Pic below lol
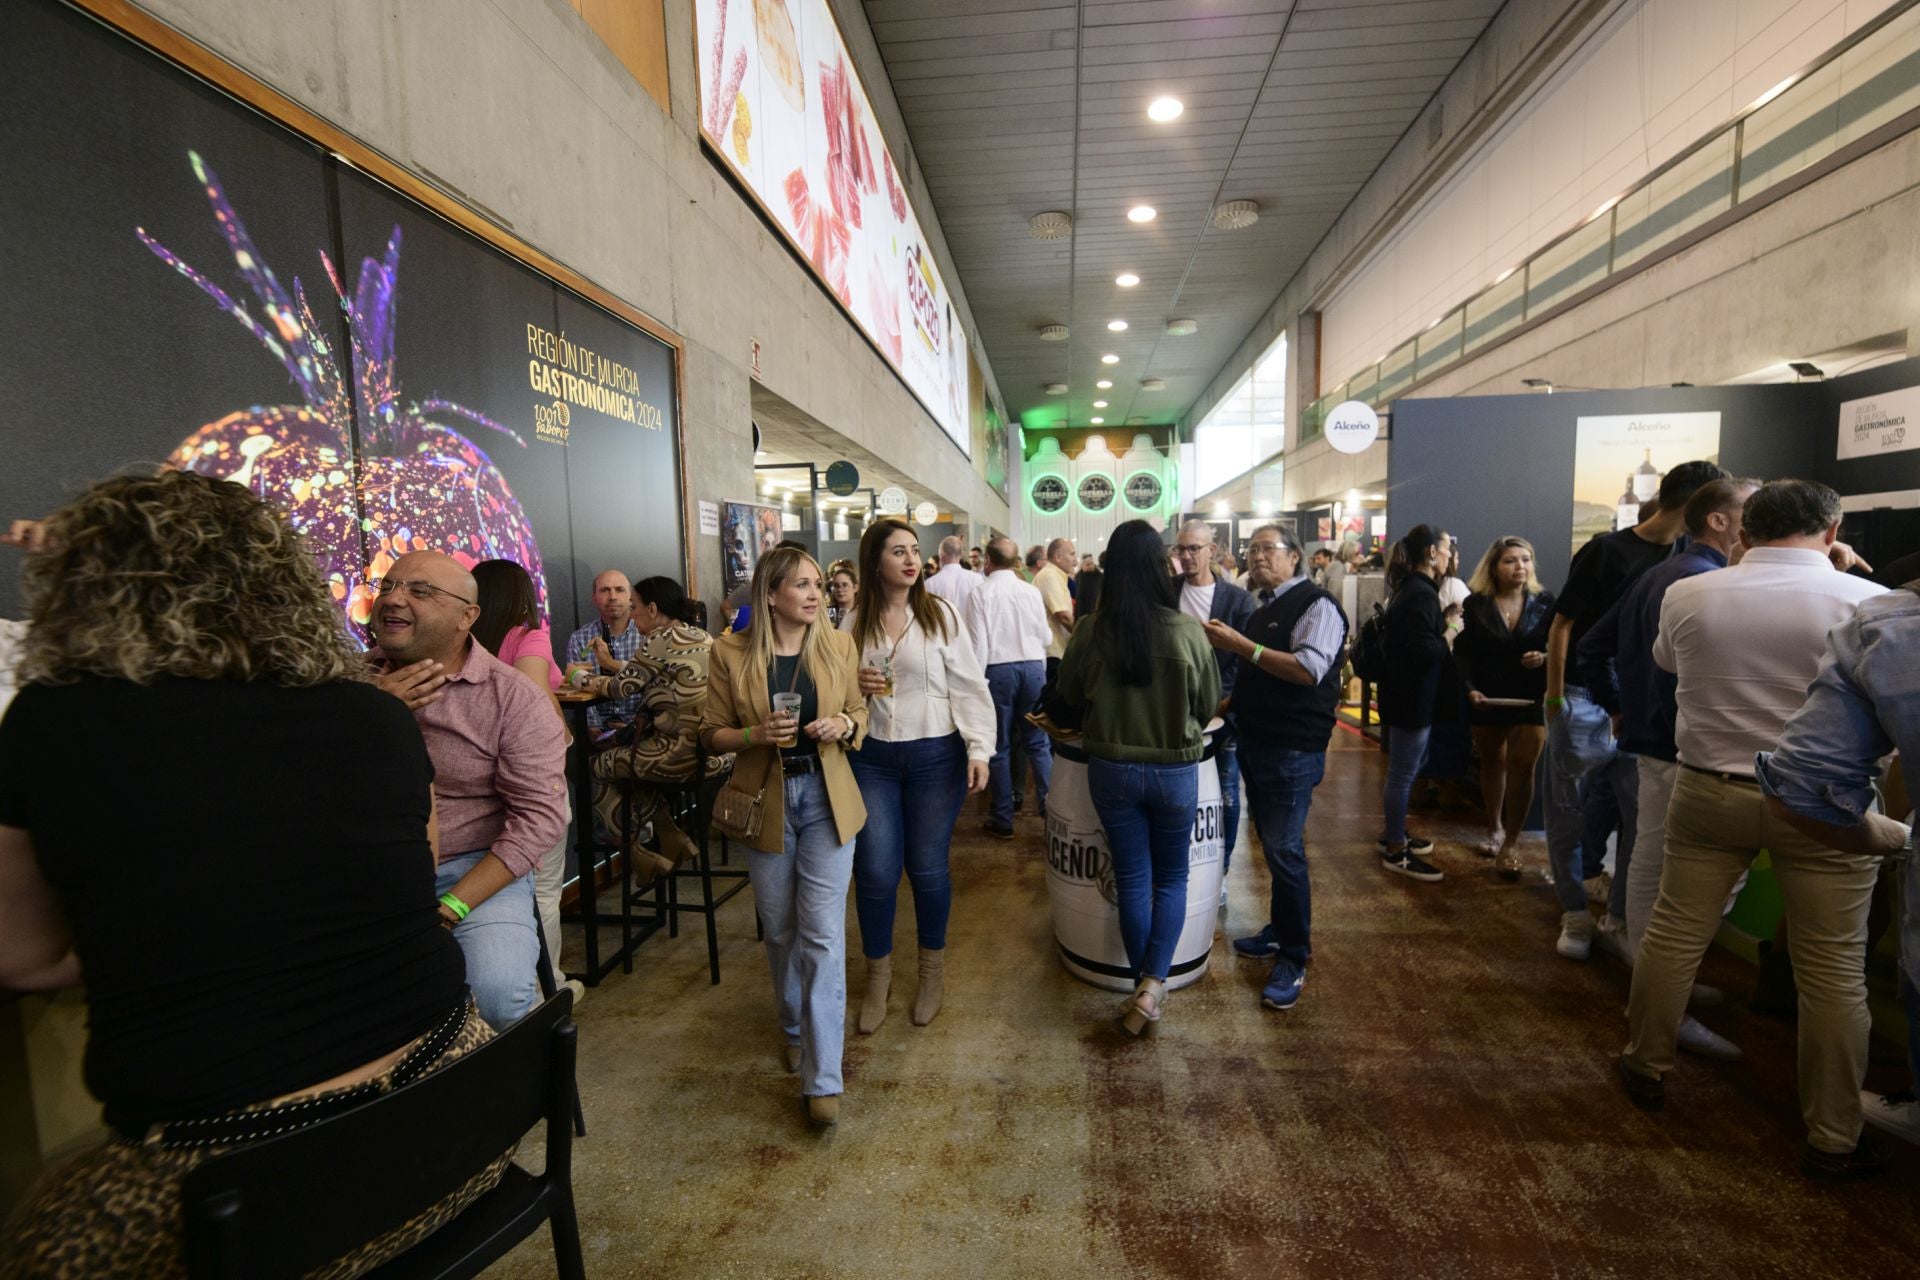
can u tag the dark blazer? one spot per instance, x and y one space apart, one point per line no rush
1417 658
1233 606
1487 655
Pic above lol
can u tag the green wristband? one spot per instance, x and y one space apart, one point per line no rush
1556 702
749 732
1257 651
460 909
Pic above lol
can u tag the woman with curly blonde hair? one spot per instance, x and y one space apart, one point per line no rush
260 943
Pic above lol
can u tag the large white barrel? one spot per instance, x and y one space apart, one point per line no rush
1086 920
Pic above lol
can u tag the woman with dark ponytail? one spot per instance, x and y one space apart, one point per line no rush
669 676
1140 677
1417 657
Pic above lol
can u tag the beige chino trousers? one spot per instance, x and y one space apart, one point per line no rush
1715 829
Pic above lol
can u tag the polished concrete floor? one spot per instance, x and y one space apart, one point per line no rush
1440 1103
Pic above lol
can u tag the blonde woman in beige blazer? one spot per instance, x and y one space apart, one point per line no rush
801 862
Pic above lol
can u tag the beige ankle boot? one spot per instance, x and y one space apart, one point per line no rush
933 987
674 844
873 1005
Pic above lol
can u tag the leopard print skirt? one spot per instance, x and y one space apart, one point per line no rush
114 1213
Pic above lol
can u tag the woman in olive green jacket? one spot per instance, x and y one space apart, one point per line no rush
1140 677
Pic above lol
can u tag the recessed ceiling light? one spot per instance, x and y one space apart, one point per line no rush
1109 358
1099 404
1126 279
1141 213
1096 421
1117 326
1165 109
1103 384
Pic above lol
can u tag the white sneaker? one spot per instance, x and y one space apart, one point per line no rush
578 988
1694 1037
1611 934
1894 1113
1599 889
1576 935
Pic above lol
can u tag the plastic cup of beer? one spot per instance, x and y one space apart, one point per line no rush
880 660
577 673
788 704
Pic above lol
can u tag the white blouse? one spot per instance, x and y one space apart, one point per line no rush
939 686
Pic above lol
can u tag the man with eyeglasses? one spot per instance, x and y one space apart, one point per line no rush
1206 597
1285 699
620 638
499 772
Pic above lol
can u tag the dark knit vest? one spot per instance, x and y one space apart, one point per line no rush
1279 713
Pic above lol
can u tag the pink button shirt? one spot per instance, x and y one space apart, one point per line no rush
499 763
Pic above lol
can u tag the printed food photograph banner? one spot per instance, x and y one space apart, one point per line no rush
191 285
1618 461
781 104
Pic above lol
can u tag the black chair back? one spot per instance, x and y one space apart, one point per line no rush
291 1204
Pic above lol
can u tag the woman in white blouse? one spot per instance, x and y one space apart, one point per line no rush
931 731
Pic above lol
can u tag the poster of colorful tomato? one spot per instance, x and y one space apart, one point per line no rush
784 109
209 291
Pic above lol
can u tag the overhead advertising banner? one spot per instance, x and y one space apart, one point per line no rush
1618 461
1880 424
781 105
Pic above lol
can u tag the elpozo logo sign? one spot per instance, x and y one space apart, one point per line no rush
1351 426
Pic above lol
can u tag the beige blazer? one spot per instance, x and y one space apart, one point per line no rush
737 699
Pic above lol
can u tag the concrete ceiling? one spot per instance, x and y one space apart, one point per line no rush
1016 107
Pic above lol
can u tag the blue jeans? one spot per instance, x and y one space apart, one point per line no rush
801 895
913 792
1016 691
1406 748
1581 754
1226 759
499 942
1147 811
1280 785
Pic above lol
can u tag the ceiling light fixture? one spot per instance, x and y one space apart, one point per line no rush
1109 358
1126 279
1182 328
1165 109
1117 326
1099 404
1104 383
1053 333
1142 213
1051 225
1096 421
1236 215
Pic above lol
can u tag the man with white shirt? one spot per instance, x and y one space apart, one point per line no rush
954 582
1206 596
1746 642
1008 623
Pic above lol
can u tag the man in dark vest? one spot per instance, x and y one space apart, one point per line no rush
1284 701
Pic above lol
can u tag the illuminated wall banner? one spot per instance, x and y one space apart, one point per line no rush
781 104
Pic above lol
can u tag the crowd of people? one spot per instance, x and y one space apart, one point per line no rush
1706 684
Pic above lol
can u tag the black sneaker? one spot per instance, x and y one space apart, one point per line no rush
1868 1158
1649 1093
1415 843
1408 864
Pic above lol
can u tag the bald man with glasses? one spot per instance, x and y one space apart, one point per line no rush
499 772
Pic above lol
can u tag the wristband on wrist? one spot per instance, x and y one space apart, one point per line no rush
1257 651
1556 702
749 732
460 909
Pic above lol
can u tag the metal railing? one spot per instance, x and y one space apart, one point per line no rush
1864 83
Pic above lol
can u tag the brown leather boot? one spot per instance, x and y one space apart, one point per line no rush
873 1005
673 843
933 987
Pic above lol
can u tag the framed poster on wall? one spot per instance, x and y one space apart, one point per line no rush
747 531
394 373
1618 460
